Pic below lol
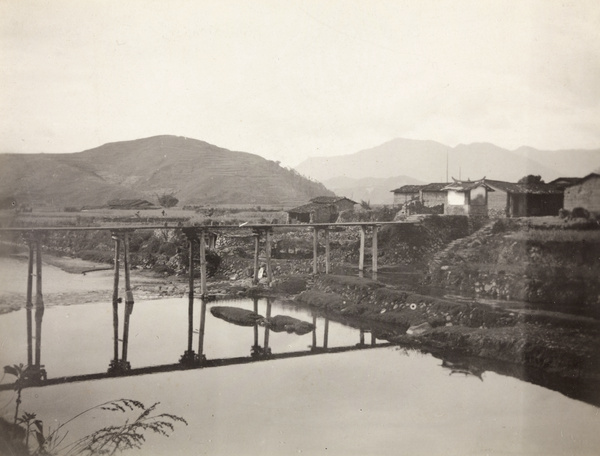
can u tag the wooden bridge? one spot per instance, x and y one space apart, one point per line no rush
197 237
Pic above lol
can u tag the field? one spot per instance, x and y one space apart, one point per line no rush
231 214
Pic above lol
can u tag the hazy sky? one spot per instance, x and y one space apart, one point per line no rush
291 79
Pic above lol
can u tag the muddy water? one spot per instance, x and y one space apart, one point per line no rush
377 401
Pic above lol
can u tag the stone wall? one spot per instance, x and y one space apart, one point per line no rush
585 194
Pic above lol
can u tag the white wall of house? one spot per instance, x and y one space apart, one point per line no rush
456 198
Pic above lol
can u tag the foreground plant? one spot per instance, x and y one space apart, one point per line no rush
108 440
113 439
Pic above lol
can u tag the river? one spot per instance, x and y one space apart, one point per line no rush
374 401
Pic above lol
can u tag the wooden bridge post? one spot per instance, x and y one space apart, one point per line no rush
256 252
128 301
202 241
189 357
361 252
29 304
327 250
267 350
326 331
115 298
374 260
268 234
39 304
201 356
315 250
255 346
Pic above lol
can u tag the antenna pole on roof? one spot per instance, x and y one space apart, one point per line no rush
446 166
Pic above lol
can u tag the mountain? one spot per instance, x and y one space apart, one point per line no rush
426 161
371 189
195 171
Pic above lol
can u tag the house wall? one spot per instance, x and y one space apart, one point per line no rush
401 198
298 217
456 198
585 194
478 197
431 199
497 203
544 204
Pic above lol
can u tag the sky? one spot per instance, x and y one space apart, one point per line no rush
297 78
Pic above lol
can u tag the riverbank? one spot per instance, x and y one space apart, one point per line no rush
560 344
564 345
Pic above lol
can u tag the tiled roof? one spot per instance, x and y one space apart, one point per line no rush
408 189
533 189
330 199
463 186
584 179
307 208
435 187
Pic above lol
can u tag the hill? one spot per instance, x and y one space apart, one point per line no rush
195 171
426 161
371 189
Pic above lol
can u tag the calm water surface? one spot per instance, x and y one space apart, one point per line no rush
366 402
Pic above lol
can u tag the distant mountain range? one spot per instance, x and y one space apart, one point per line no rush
370 189
426 161
194 171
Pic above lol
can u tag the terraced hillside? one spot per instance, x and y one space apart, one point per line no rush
195 171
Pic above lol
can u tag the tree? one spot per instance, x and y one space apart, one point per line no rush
167 200
531 179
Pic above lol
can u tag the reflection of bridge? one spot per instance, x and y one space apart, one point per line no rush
197 237
35 375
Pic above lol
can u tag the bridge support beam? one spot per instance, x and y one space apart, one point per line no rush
29 304
268 235
361 252
327 250
119 366
374 250
256 252
202 242
128 300
189 356
315 250
35 370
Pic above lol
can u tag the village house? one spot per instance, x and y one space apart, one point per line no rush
322 209
341 203
523 199
467 198
428 195
432 195
584 193
564 182
406 193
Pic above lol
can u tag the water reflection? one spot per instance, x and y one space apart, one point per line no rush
289 330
